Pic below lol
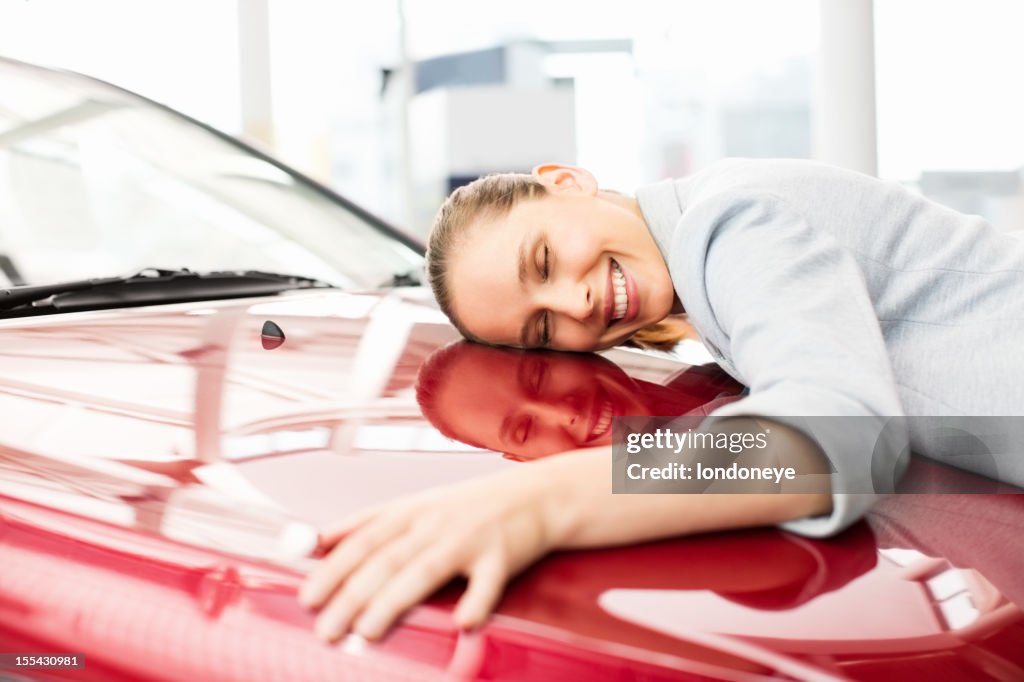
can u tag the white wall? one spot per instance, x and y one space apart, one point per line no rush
183 53
949 85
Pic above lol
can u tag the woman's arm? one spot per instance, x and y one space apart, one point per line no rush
590 516
488 529
788 305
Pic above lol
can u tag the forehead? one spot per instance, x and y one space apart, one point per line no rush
477 377
483 276
477 396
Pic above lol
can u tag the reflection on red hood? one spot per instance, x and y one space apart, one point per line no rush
532 404
203 460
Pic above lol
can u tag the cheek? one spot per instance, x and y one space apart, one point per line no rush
662 280
659 292
580 253
574 337
549 440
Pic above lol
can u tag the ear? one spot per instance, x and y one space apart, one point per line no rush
558 177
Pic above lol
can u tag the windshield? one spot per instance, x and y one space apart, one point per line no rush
95 182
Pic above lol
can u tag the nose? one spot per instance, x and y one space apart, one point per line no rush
559 413
563 414
572 299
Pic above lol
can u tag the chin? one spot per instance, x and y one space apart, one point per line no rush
611 343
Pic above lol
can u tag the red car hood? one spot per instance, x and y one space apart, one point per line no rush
166 451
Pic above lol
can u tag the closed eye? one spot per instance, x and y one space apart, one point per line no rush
522 430
545 322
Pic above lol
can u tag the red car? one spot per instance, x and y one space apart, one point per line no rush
172 439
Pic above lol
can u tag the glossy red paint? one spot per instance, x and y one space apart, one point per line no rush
162 474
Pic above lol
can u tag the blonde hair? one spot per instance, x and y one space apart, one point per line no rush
494 196
662 335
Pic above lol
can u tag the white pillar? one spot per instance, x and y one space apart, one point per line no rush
254 70
407 80
843 110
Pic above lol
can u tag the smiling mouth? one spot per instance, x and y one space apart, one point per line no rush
603 421
620 299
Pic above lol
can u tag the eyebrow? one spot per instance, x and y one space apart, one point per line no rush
522 260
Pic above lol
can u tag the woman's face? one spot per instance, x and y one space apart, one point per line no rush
573 270
534 404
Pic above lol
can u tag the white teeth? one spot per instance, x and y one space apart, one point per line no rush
603 421
619 289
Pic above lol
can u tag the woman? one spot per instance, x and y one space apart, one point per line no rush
530 405
826 292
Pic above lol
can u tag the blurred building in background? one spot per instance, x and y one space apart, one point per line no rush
394 103
485 111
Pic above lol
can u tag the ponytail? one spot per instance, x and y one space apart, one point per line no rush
663 335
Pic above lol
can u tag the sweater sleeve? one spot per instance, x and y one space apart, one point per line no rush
785 305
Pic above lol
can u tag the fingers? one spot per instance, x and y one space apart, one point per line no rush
389 558
330 535
403 574
360 587
336 567
486 581
415 582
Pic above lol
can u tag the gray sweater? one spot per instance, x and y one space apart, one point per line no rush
829 292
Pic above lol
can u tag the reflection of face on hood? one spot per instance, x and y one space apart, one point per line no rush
534 403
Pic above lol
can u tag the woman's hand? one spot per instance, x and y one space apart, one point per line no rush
393 556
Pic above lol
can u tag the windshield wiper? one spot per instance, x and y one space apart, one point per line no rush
147 287
11 270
